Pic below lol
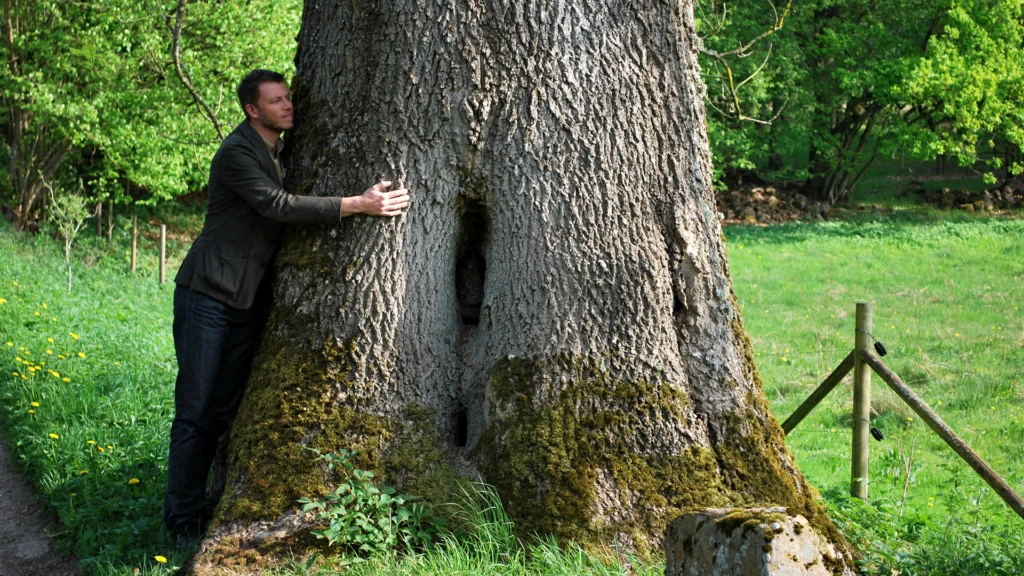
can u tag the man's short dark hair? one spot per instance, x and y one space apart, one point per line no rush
249 87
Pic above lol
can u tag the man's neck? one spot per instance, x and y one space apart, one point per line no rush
268 134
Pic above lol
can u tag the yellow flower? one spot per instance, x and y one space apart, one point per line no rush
54 436
3 301
44 305
31 411
90 442
9 343
37 312
50 340
133 481
116 363
73 335
49 352
66 379
15 374
83 472
35 404
160 559
100 448
81 354
18 359
60 357
109 447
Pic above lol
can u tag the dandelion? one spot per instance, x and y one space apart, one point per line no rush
60 357
73 335
3 301
109 447
55 374
50 340
44 305
66 379
35 404
54 436
37 312
31 411
49 352
83 472
90 442
133 481
100 448
784 359
15 374
81 354
9 343
116 363
160 559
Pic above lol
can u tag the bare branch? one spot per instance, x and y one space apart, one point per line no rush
179 22
742 51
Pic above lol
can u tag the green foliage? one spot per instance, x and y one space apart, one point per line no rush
366 518
97 81
486 545
850 80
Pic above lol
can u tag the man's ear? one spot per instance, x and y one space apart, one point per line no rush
251 112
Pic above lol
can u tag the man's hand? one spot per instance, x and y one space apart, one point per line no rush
377 201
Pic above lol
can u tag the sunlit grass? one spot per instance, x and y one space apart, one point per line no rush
947 304
948 297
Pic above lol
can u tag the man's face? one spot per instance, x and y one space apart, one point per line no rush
273 110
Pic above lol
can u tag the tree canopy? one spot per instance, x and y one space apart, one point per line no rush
93 90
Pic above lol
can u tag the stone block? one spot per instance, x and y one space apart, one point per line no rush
749 542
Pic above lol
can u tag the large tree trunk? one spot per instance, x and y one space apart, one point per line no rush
553 315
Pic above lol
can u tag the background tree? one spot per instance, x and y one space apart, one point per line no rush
863 79
553 315
94 90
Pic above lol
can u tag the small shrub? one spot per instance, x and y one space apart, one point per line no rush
367 518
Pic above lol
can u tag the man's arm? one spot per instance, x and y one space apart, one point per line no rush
243 173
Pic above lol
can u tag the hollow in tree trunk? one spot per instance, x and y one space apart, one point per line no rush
553 315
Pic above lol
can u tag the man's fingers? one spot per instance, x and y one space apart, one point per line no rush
382 186
397 193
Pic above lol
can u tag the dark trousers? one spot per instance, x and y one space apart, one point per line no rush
214 344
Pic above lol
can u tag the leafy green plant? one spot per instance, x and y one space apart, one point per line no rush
367 518
68 213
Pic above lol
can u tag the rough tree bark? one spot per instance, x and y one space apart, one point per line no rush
553 315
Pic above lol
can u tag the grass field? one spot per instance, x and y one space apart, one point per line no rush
86 398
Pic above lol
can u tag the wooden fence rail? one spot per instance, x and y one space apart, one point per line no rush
862 361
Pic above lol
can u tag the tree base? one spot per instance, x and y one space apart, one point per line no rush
765 541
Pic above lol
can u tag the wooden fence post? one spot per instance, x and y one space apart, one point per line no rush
110 222
135 240
99 217
163 251
861 404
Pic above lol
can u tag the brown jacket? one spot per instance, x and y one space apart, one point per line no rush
245 212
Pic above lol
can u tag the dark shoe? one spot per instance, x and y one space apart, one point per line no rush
187 535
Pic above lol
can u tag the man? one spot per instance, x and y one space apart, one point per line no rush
221 298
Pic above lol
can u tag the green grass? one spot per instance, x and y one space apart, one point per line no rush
947 301
948 291
86 394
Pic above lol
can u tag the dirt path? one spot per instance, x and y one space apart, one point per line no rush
25 549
